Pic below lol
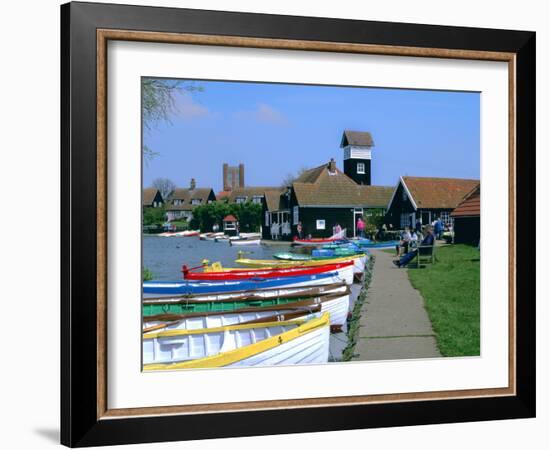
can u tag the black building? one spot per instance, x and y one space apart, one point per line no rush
426 199
325 196
357 147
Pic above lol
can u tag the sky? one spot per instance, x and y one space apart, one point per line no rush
277 129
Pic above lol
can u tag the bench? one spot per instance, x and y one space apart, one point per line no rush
427 256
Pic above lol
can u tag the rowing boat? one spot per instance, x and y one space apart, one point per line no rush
296 291
344 270
335 303
196 321
244 242
315 241
205 287
359 262
273 343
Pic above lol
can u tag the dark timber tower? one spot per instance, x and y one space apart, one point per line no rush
357 147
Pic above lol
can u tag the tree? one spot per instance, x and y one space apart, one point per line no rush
154 216
158 98
165 186
291 178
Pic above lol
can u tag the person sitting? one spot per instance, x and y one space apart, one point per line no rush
428 240
404 242
413 243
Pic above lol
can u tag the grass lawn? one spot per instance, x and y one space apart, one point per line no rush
450 289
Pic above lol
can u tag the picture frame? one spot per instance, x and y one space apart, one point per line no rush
86 418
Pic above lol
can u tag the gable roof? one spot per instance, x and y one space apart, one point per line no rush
250 192
185 196
436 193
273 200
470 206
149 195
359 138
320 187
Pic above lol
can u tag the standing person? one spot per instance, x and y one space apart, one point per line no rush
437 228
300 230
429 240
360 227
337 229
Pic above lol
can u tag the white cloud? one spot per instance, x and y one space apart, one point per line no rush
263 113
188 108
266 113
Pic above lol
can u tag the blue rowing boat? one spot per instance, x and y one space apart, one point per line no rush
184 287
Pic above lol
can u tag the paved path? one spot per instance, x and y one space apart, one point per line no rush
394 323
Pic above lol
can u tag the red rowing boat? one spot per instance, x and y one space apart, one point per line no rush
240 274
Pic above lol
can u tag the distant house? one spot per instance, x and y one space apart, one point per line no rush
426 199
466 218
183 201
152 198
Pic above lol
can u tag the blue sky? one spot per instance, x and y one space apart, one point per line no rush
276 129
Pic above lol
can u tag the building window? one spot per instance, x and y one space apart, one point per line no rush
257 199
361 168
240 199
267 218
405 220
320 224
446 217
196 201
295 215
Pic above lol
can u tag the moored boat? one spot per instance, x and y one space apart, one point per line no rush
273 343
159 312
205 287
344 270
240 242
195 321
358 260
314 242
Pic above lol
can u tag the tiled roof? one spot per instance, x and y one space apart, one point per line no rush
376 196
273 200
319 187
470 206
149 195
433 193
185 196
250 192
360 138
230 218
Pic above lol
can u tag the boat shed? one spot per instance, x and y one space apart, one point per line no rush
322 197
230 225
426 199
466 218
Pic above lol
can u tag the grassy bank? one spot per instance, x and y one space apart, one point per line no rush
450 289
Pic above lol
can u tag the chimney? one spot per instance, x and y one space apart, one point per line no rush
193 184
332 165
241 175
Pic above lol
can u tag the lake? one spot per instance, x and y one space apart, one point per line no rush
164 256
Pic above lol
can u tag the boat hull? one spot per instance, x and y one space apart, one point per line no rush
205 287
277 343
211 314
358 261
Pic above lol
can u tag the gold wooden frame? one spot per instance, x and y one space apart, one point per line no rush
103 36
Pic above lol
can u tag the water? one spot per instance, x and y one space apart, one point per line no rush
164 256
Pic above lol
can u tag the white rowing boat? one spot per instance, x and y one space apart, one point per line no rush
274 343
244 241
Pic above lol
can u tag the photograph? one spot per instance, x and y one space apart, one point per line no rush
287 224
